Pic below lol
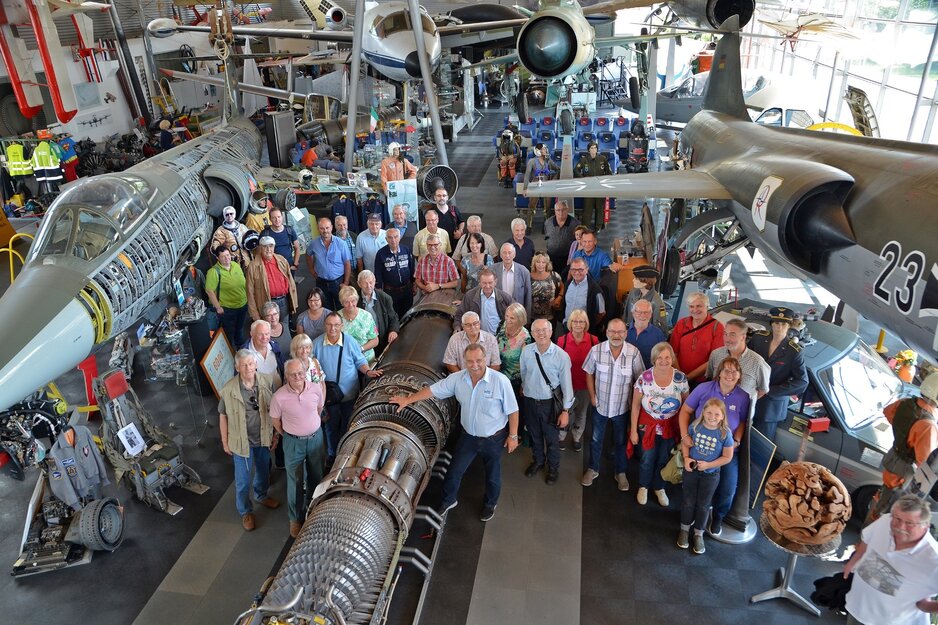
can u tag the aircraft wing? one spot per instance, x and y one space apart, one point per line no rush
665 184
67 7
618 40
505 59
286 33
611 6
454 29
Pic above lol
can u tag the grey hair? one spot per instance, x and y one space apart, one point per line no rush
267 307
433 238
911 503
662 347
241 355
300 340
517 221
258 324
469 316
474 219
365 273
696 295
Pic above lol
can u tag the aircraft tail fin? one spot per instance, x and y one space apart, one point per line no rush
725 88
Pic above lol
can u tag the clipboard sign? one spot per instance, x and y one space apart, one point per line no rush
131 439
218 362
761 452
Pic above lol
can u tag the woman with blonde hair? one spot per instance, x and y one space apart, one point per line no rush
546 288
577 343
512 336
301 348
357 322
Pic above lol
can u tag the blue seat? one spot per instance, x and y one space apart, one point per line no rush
606 139
600 124
520 200
546 136
583 139
529 128
612 157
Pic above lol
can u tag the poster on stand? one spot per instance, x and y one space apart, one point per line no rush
403 192
218 362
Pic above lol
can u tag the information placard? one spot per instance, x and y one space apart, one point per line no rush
761 452
218 361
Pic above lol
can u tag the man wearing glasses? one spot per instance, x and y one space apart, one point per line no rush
583 292
247 434
894 565
295 411
436 271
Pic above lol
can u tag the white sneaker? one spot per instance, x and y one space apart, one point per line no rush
662 497
622 481
588 477
642 496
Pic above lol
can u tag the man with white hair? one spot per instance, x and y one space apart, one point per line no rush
394 272
406 229
381 307
524 247
266 352
894 567
369 242
269 279
343 233
513 278
474 226
471 333
436 270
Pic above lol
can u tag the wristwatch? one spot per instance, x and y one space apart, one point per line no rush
513 437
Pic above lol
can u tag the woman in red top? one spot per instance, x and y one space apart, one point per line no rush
577 343
694 337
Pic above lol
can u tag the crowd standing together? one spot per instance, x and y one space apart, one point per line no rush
542 353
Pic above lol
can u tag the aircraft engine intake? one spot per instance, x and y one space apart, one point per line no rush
336 19
804 201
340 567
556 42
713 12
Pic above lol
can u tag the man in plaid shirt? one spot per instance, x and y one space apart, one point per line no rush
435 270
611 367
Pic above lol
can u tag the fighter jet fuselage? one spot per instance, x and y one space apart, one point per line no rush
112 245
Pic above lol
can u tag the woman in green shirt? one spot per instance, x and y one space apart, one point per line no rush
227 292
358 322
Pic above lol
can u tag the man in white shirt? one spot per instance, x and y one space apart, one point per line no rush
895 568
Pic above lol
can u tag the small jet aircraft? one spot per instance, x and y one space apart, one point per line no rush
111 246
849 212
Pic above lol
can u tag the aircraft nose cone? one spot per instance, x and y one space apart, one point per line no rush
42 335
547 46
412 64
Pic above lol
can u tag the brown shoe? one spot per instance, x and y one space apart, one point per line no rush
247 522
295 527
270 502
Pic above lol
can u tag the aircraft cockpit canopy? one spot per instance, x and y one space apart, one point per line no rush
86 220
399 21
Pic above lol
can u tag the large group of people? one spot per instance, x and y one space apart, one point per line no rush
553 346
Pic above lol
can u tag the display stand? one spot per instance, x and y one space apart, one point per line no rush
785 575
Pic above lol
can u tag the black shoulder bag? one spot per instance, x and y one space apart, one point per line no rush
334 394
556 391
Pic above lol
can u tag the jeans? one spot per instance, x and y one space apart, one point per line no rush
619 425
652 461
726 489
577 414
467 448
336 426
232 322
698 493
302 454
330 291
542 426
260 458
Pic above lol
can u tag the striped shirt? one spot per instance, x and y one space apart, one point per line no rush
613 377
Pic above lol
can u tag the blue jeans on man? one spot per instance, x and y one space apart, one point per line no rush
304 458
340 416
490 449
726 489
619 425
260 459
652 461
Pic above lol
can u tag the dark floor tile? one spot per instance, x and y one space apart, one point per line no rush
714 587
446 604
672 612
608 579
664 582
606 609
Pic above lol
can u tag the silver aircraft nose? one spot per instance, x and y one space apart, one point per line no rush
45 331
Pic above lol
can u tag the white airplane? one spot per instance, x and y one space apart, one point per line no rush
388 44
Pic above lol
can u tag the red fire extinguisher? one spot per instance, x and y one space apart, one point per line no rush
606 214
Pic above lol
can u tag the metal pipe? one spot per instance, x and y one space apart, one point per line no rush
359 32
139 102
428 85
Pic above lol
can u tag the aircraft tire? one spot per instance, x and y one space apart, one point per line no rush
101 525
634 95
566 122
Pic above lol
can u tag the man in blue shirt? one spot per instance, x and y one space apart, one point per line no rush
489 417
369 242
595 258
330 263
642 333
341 360
394 272
544 367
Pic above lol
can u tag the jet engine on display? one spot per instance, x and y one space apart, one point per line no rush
342 567
111 246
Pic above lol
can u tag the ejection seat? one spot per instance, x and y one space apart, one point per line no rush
156 463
